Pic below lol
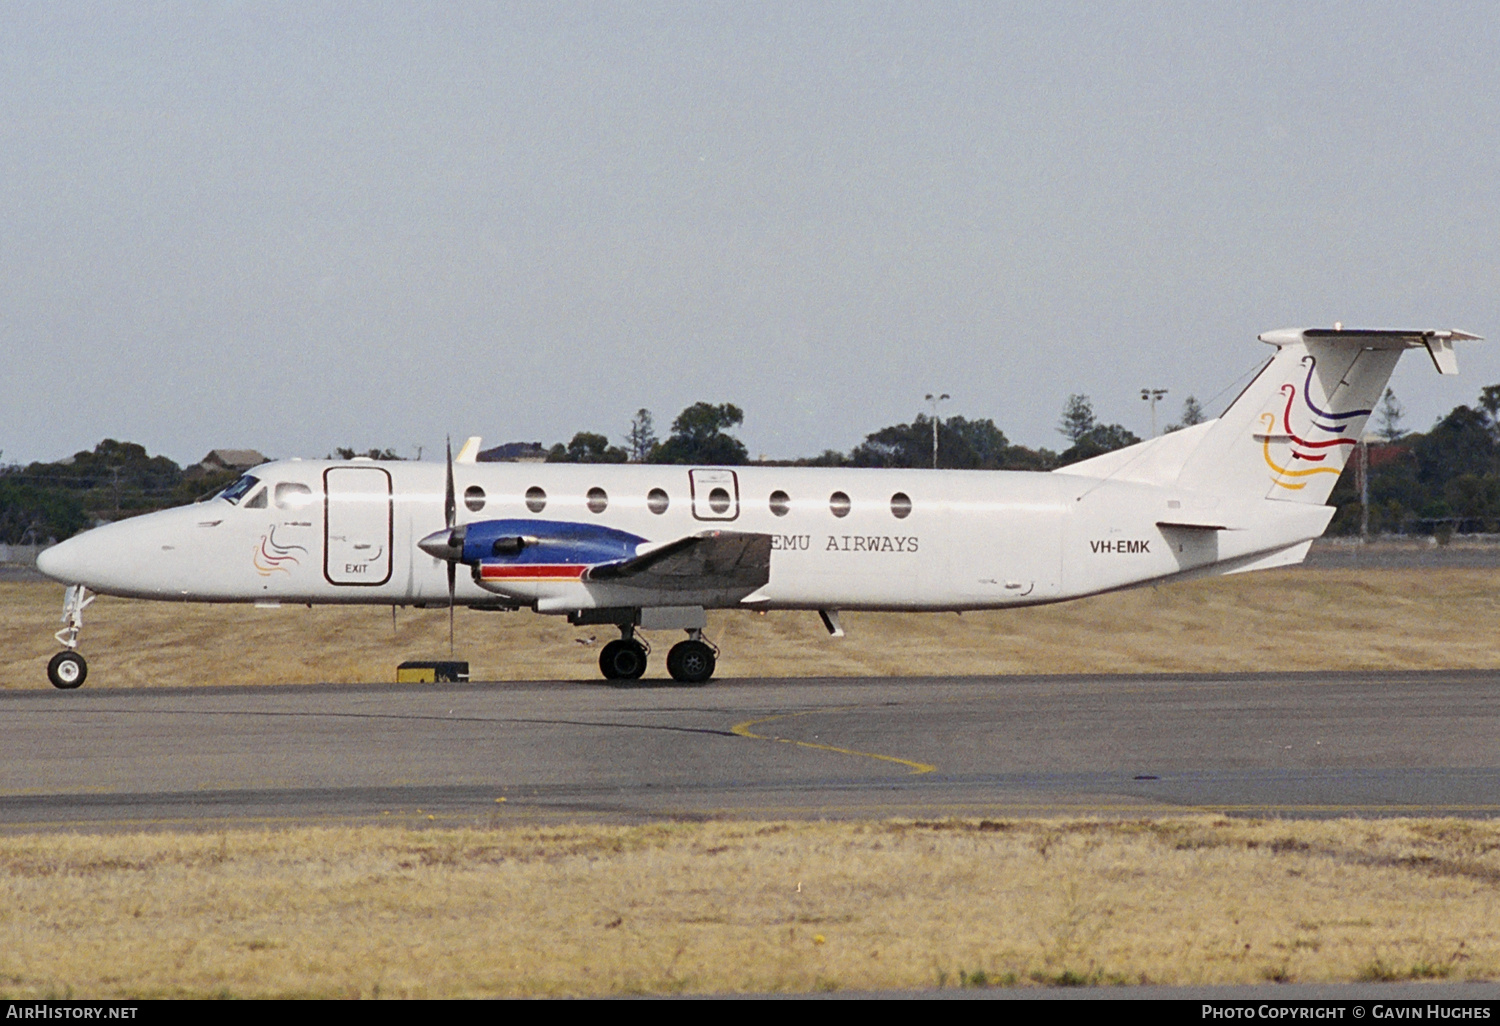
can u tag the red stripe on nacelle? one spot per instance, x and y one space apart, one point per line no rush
532 572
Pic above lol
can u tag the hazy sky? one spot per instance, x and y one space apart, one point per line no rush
298 226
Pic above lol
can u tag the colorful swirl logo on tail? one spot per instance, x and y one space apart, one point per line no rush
1300 444
1268 420
1286 422
1312 365
272 557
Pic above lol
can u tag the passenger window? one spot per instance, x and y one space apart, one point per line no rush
598 500
291 495
657 501
839 503
900 505
781 503
718 500
257 501
474 498
536 499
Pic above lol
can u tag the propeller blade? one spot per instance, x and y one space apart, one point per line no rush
450 514
450 504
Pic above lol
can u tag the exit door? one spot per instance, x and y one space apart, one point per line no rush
357 531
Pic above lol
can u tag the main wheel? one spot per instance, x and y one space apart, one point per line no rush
623 660
67 670
691 662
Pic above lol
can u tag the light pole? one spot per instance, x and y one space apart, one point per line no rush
934 400
1364 487
1150 395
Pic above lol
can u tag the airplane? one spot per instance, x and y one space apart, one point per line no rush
652 547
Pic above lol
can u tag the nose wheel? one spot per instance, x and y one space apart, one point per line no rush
67 670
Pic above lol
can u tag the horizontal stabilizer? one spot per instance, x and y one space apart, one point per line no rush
1194 525
1439 344
1289 556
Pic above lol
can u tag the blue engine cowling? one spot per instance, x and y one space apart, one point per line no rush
522 542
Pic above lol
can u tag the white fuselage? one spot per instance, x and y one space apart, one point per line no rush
347 532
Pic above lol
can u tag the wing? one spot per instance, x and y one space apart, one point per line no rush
711 561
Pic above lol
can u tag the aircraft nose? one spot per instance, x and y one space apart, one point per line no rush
64 561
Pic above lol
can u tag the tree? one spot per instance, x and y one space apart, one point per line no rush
1461 443
1474 499
1089 437
1489 401
124 464
641 438
699 436
962 444
114 477
826 458
1391 412
32 513
587 447
375 454
1192 413
900 445
1077 419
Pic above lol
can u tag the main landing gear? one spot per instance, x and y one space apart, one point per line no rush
692 661
624 659
689 662
68 669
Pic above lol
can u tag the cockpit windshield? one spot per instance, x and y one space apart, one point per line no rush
235 492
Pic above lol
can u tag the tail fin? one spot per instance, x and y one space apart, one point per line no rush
1291 431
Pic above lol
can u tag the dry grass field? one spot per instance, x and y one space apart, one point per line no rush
721 907
1286 619
757 907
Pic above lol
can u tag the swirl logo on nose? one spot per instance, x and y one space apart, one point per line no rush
273 557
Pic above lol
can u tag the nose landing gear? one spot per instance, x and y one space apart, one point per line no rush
68 669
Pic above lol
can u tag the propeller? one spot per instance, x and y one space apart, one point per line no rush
450 513
448 544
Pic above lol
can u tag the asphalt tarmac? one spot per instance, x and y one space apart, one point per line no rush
1320 744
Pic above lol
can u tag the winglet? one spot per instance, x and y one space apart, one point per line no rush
470 452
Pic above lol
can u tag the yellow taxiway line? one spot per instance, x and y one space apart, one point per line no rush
744 730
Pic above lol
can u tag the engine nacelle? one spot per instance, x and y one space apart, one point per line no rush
523 542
